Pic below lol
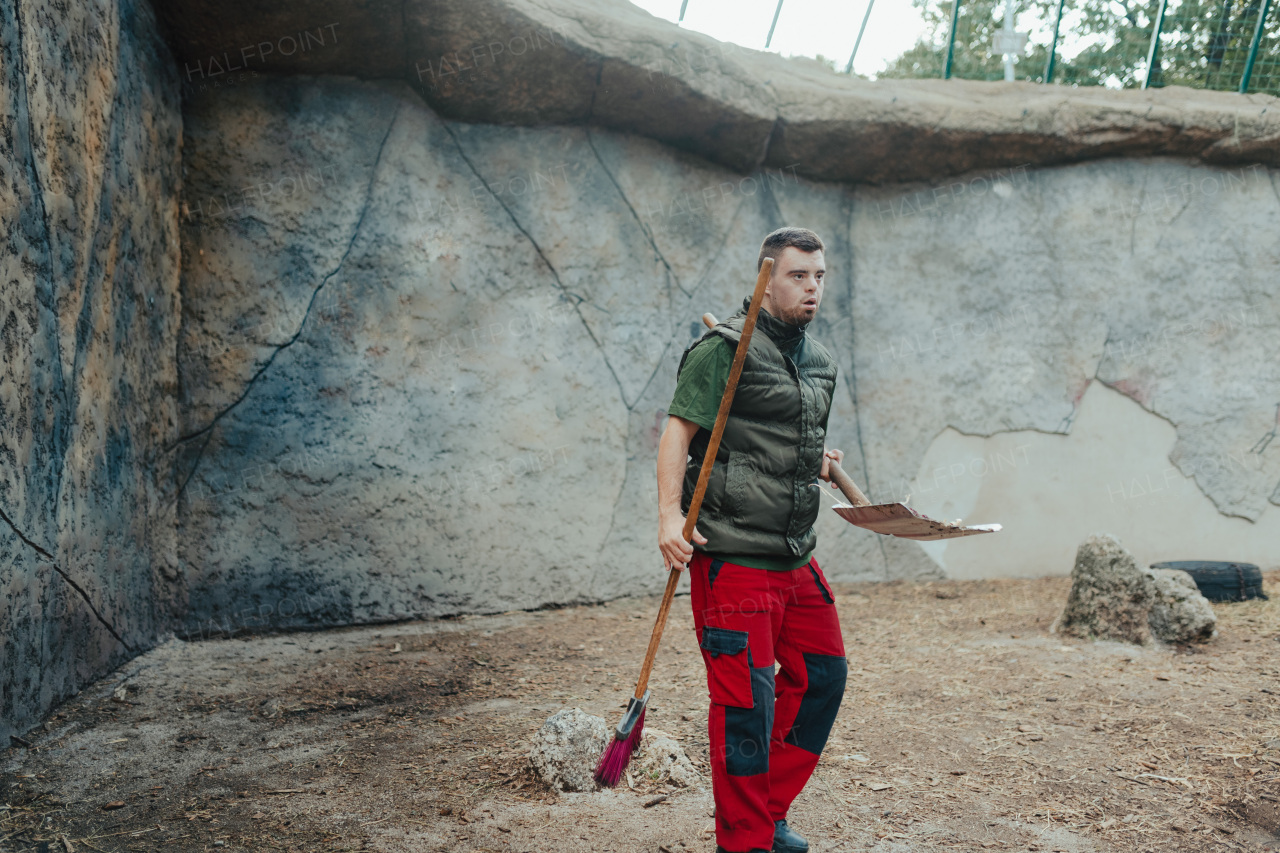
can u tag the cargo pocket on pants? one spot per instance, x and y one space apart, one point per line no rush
822 587
728 666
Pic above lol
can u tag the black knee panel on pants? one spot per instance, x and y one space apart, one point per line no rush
747 730
817 714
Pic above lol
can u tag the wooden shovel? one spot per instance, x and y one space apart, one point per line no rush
893 519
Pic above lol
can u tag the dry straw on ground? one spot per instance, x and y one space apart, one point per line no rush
966 726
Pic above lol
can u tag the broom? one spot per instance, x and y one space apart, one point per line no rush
626 737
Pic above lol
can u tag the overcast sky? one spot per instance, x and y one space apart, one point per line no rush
806 27
830 27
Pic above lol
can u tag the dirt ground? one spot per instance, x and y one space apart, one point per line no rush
967 725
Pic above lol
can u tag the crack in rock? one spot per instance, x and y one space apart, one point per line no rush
554 273
643 228
355 233
66 577
851 379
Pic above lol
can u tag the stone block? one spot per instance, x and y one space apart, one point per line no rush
566 749
1110 596
1179 613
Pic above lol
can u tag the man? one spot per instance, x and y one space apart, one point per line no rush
758 595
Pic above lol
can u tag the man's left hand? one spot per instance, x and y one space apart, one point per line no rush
828 456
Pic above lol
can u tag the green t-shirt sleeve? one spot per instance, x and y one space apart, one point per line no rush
701 383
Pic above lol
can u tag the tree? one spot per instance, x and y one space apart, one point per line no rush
1203 43
973 59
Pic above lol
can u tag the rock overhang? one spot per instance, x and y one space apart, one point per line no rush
609 64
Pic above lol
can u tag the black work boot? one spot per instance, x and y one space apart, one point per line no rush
787 840
720 849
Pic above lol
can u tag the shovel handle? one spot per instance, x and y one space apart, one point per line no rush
846 485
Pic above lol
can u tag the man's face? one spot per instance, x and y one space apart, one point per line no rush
795 289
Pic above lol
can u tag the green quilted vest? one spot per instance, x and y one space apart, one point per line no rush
759 501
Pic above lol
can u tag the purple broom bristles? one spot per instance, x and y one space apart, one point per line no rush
617 754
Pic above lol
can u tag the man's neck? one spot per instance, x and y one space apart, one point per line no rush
785 335
766 305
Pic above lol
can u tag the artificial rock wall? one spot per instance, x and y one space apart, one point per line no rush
425 363
90 134
382 319
441 260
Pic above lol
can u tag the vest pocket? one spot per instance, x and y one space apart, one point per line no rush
734 485
728 663
755 498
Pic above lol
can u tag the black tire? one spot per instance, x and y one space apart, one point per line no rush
1220 581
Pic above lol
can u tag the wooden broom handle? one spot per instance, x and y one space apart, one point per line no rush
842 480
708 460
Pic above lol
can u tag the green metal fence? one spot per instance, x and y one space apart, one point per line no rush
1229 45
1216 44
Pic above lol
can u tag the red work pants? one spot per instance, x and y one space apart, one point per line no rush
766 733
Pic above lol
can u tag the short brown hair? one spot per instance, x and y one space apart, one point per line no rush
802 238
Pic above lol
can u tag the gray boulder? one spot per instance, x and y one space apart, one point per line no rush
566 749
1110 595
662 759
1179 613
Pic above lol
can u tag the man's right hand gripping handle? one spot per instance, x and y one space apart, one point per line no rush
673 454
676 550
